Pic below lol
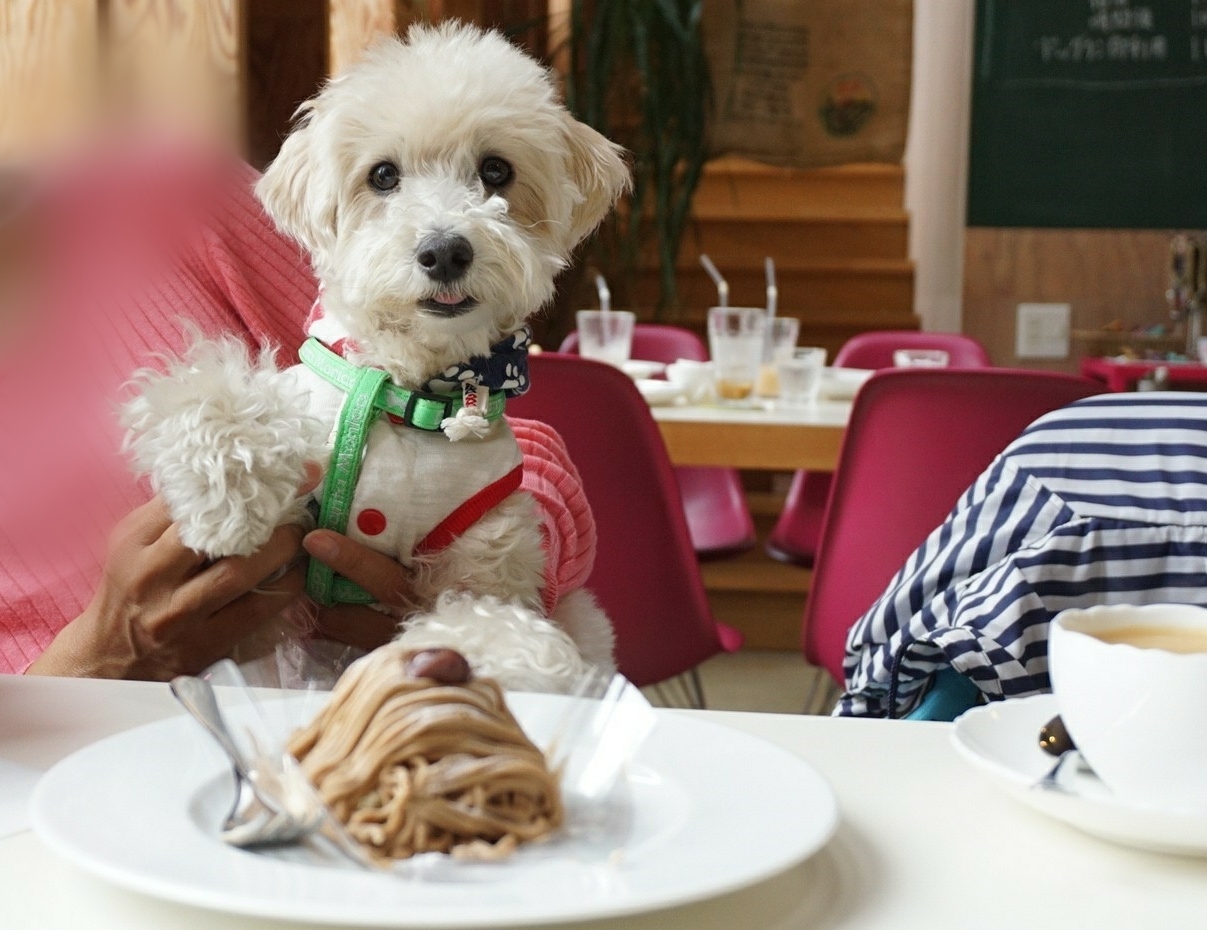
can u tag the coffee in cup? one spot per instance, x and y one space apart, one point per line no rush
1131 686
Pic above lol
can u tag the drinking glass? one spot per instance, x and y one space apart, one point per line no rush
735 341
779 341
800 376
606 336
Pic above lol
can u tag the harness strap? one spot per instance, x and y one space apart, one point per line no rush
470 512
419 409
370 393
356 416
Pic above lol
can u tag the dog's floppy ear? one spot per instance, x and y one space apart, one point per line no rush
299 196
599 170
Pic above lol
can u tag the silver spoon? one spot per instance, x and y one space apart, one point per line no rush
1055 740
265 811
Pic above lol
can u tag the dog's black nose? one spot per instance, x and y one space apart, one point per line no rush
444 257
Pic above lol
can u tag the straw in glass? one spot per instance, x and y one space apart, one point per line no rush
605 295
772 291
721 283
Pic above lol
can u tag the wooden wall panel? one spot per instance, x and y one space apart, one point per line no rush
287 51
1108 276
48 80
354 24
180 62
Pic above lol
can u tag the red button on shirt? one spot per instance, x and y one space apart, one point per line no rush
371 522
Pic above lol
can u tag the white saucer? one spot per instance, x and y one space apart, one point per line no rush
658 393
842 383
1002 739
637 368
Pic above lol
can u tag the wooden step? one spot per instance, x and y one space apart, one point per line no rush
768 620
858 292
732 242
733 187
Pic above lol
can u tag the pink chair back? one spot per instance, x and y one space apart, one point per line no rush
875 349
718 515
795 534
646 575
917 439
656 342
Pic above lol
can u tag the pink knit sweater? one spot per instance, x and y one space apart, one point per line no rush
134 249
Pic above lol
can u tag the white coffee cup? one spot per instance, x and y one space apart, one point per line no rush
693 377
1131 686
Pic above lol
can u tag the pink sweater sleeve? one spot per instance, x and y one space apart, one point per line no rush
145 243
551 478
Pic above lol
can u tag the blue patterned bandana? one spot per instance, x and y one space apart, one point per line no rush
504 369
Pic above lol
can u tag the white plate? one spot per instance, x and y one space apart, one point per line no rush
658 393
712 810
1002 739
842 383
637 368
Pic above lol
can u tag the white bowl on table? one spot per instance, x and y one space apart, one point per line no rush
842 383
640 369
658 393
692 377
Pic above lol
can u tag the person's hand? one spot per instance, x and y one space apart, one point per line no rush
162 610
377 573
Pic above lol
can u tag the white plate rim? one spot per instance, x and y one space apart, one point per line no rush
658 392
800 823
991 738
641 368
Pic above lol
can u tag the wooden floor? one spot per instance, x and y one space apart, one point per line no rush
766 680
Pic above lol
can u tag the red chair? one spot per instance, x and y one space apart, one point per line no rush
646 575
718 515
794 537
917 439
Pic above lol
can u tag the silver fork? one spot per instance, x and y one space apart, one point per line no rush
271 808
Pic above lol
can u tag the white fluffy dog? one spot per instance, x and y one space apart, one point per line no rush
438 186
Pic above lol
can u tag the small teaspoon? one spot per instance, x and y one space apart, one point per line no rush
1054 739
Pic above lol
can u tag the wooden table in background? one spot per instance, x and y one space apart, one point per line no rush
764 440
1123 376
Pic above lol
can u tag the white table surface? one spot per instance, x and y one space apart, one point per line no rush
819 413
925 842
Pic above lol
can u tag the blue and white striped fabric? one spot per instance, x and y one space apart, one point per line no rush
1101 502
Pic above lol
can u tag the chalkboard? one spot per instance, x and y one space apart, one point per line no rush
1089 113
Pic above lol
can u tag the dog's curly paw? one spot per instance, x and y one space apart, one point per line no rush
226 443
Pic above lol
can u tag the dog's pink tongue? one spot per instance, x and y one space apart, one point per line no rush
448 298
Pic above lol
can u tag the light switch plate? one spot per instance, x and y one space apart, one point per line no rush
1042 330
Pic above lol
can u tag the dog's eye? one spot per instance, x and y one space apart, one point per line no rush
495 172
384 176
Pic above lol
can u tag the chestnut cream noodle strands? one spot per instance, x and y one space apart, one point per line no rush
411 764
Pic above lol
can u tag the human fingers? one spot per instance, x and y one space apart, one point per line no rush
314 474
374 571
227 579
148 535
356 625
239 621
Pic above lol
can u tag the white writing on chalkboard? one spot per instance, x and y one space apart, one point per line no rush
1086 48
1198 14
1117 15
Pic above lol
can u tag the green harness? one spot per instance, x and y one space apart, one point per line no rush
370 393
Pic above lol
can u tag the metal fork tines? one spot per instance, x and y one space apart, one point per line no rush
273 803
